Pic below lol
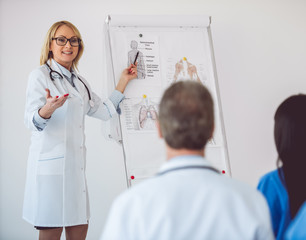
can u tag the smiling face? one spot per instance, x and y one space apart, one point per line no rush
64 55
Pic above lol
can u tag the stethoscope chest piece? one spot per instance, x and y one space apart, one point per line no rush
91 103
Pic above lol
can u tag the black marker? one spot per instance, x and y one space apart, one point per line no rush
130 70
136 57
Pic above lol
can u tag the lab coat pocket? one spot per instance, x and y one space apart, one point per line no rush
50 165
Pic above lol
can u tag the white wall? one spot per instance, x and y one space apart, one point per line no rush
260 49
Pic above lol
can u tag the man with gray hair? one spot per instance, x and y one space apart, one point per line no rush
188 199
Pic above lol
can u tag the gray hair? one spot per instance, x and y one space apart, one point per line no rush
186 115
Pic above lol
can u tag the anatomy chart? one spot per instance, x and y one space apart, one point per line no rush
140 114
144 52
182 69
165 54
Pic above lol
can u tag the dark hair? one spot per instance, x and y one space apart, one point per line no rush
186 115
290 140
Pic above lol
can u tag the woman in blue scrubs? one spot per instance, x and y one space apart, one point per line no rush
297 229
283 187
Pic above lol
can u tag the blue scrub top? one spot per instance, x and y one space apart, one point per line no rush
297 228
277 197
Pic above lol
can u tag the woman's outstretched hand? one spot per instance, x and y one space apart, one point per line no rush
52 103
126 76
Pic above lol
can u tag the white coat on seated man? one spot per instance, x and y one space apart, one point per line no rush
188 198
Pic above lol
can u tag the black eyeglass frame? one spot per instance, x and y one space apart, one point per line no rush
67 40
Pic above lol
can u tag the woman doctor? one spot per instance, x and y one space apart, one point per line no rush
57 100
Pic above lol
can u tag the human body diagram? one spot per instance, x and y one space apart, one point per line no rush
141 69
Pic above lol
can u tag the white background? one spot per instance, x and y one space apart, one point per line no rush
260 48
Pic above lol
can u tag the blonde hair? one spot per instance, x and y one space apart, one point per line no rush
46 54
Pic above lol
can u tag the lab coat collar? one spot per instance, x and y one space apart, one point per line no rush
62 70
71 90
53 65
184 161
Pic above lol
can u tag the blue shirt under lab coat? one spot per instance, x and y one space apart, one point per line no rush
277 197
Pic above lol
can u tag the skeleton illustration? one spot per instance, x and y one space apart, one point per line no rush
185 70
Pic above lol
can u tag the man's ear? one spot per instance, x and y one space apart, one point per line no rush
158 129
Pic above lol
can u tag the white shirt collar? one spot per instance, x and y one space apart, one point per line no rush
183 161
64 70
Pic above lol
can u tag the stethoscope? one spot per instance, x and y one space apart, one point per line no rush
54 73
188 167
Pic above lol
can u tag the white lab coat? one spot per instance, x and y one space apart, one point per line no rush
56 191
189 203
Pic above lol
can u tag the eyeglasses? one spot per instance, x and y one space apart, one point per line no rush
61 41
